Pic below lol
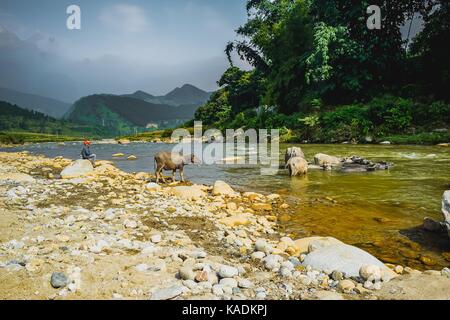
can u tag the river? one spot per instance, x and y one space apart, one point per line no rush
378 211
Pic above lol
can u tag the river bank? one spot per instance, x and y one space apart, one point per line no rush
112 235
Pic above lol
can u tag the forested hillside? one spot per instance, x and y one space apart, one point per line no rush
123 114
319 74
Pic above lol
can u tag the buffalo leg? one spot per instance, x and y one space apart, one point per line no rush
182 174
159 175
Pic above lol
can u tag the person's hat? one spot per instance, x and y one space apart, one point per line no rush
87 142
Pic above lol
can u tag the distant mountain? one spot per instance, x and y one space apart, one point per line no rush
121 114
186 95
141 95
41 104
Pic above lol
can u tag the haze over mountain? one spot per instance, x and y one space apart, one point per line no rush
41 104
154 46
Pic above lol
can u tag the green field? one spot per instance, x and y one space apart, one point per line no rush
13 138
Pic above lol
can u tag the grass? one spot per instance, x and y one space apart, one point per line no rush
427 138
150 136
23 137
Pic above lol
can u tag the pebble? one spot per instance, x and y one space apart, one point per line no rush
288 288
370 273
398 269
186 273
110 215
272 262
337 275
130 224
288 265
228 272
261 295
262 245
168 293
377 286
199 255
217 290
260 289
191 284
258 255
245 283
156 238
141 267
368 285
285 272
360 289
58 280
346 285
202 276
228 282
295 261
445 272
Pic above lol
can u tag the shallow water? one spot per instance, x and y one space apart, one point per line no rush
378 211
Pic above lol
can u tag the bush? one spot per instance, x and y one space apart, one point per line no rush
390 114
345 123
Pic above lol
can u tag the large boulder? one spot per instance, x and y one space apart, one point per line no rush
343 258
446 209
321 159
188 193
222 188
306 245
77 169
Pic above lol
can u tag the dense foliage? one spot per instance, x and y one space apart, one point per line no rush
320 74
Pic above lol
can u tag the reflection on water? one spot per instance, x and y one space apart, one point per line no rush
378 211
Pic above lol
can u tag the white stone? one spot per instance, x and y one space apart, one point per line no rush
228 282
258 255
370 273
245 283
227 272
156 238
130 224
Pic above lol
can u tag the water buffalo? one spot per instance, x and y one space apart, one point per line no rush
297 166
172 162
293 152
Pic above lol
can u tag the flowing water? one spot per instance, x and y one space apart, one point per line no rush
378 211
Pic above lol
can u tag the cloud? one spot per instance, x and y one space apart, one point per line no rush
124 17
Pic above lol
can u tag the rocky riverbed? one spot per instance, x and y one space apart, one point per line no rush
105 234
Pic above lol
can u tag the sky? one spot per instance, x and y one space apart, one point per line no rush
123 46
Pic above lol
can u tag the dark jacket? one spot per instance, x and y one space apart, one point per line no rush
86 152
